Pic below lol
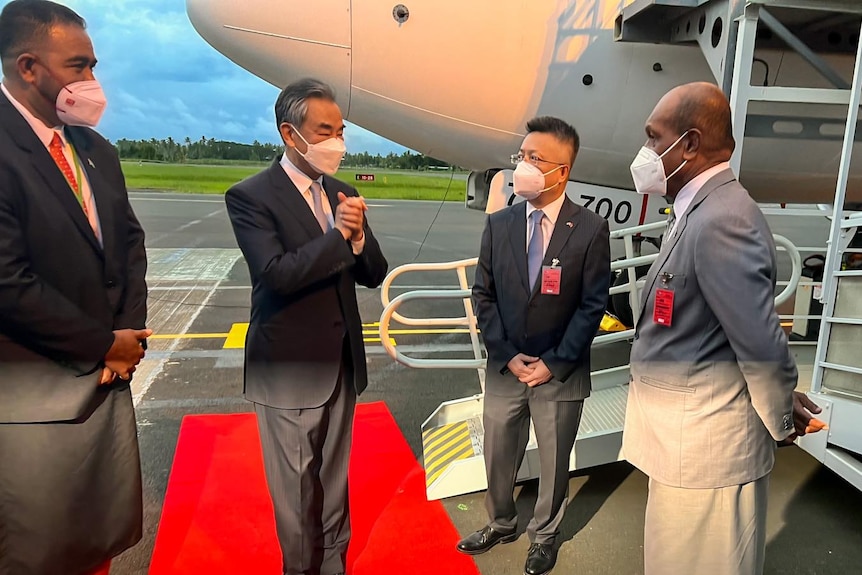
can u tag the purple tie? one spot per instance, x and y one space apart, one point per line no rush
536 249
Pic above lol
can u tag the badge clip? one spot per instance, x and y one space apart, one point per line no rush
666 277
555 262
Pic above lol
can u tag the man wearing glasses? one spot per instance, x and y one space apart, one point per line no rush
540 292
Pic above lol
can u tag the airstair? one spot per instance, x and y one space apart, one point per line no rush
730 32
453 436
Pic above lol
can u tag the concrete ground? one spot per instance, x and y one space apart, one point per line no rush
200 289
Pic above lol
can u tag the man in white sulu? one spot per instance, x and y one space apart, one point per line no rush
712 376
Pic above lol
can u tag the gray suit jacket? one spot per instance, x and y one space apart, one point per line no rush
711 394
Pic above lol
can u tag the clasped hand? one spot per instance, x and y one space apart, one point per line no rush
350 216
530 370
126 352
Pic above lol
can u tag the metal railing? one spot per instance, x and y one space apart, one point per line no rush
632 287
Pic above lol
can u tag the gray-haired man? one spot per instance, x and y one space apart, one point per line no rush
307 243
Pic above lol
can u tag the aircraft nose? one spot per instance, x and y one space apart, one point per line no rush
281 40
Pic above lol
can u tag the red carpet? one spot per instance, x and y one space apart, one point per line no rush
217 517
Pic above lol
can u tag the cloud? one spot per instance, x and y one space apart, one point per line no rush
163 80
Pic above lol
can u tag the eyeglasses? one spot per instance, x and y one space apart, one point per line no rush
533 159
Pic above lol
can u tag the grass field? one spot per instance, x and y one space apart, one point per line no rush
211 179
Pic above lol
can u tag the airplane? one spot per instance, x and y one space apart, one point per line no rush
458 81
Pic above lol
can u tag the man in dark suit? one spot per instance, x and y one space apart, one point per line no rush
307 243
72 307
540 292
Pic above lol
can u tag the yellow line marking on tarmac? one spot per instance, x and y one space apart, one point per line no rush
377 340
418 331
235 338
188 336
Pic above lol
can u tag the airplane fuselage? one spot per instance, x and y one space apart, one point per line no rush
458 80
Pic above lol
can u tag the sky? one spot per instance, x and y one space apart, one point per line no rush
162 79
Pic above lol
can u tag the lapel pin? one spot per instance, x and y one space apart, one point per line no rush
92 165
569 224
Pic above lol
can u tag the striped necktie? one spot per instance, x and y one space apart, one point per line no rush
669 231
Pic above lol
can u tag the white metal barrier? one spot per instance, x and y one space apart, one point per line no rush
628 264
600 434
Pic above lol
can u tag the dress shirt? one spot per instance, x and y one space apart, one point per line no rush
45 135
303 183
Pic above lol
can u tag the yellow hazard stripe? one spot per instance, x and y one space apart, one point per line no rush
443 445
452 441
430 434
450 431
465 453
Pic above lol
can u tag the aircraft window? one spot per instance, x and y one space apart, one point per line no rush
835 130
788 128
701 26
717 29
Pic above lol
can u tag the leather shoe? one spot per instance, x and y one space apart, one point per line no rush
483 539
540 559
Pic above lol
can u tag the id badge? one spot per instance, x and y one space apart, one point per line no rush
663 310
551 278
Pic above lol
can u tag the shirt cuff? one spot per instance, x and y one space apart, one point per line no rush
358 246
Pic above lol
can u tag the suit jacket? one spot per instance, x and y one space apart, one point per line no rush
711 394
61 296
305 326
516 318
61 293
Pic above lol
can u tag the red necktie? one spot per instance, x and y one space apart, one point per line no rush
56 149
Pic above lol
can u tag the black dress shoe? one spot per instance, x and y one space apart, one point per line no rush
483 539
540 559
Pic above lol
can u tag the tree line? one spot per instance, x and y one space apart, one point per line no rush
211 150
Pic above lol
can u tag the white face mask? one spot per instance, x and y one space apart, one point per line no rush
81 103
528 180
648 170
325 156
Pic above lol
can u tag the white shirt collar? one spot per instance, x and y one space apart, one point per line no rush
689 191
552 210
43 132
299 178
